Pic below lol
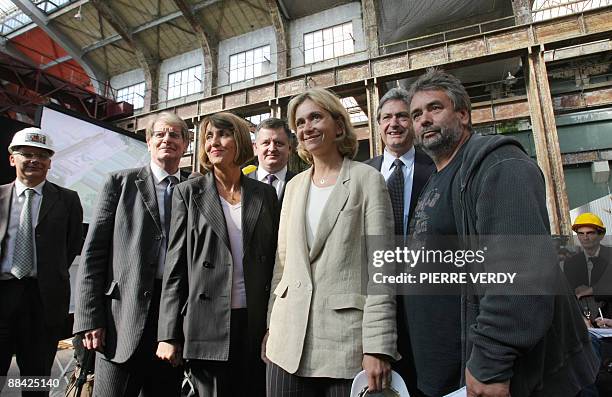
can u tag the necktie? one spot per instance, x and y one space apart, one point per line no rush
270 178
23 258
170 182
395 184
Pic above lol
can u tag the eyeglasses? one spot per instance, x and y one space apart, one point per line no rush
591 233
171 134
38 156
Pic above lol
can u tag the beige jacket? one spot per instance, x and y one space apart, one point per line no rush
320 324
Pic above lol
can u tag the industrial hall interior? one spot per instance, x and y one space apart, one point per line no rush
94 73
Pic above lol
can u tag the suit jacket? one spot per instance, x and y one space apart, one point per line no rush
423 168
119 262
288 176
575 268
196 297
59 238
320 323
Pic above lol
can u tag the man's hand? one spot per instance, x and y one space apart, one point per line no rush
378 371
583 290
95 339
264 358
477 389
603 322
170 351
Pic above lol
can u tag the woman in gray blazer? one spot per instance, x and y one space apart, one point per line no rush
322 329
219 265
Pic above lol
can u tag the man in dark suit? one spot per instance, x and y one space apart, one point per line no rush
589 272
273 146
40 235
405 169
119 285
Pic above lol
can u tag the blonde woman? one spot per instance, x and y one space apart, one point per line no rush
322 330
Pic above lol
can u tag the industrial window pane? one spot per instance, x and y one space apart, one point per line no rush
309 56
328 43
308 41
248 64
184 82
328 51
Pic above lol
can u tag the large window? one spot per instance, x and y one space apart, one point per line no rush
258 118
185 82
249 64
329 43
133 94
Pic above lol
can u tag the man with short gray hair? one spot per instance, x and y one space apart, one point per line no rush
405 169
119 283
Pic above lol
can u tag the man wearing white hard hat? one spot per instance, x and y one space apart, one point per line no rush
40 235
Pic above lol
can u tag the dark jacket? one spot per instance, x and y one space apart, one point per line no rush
423 167
576 271
196 293
119 262
539 341
59 238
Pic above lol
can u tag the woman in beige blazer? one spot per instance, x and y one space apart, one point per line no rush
322 329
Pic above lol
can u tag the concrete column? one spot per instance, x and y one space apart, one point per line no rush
546 141
376 145
195 163
370 26
522 11
151 74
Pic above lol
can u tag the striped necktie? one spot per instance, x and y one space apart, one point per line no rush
395 184
23 257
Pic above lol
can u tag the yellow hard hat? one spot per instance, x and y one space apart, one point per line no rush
588 219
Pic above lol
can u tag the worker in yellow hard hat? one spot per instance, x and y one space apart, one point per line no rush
589 272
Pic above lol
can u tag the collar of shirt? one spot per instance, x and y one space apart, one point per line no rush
388 159
280 175
592 256
20 187
159 173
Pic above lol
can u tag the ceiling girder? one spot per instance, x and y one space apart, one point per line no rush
43 21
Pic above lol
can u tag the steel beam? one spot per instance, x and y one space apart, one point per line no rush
546 141
373 96
208 43
42 20
370 26
148 63
148 25
281 30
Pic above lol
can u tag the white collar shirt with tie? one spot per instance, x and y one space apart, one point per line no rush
17 202
387 169
159 176
589 262
279 182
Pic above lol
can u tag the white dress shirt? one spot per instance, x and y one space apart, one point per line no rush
17 200
387 169
278 184
160 188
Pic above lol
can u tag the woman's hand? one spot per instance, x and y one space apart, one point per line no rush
378 371
170 351
264 358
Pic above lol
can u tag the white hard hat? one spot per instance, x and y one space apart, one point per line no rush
31 136
396 389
